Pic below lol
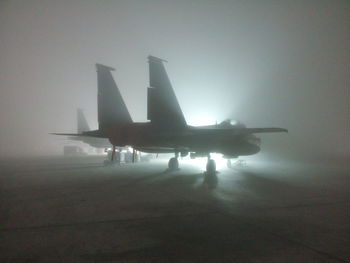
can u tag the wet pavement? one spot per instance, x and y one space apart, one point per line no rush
78 210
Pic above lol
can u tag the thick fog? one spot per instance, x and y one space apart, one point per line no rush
266 63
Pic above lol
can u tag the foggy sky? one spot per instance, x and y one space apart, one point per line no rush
265 63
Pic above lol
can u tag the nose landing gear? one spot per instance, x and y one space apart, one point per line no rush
210 177
229 163
211 166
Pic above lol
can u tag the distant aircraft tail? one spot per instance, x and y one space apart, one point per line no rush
163 108
111 106
81 122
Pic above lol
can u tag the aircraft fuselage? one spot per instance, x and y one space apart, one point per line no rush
148 137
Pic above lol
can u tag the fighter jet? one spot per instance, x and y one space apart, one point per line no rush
167 130
83 126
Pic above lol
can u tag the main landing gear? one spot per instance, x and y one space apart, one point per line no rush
115 157
173 163
119 155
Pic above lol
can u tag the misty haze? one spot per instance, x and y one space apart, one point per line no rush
112 112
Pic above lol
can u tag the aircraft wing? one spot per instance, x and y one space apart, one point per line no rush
264 130
163 108
68 134
94 133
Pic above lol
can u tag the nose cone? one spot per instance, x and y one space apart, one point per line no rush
252 149
256 149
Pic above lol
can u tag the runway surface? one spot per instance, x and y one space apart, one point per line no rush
77 210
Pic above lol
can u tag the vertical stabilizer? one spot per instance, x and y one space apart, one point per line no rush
111 106
81 122
163 107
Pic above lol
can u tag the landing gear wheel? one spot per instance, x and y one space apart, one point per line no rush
211 166
173 164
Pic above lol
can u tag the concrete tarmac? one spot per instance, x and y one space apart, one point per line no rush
56 209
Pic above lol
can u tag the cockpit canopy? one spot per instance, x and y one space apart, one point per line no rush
231 123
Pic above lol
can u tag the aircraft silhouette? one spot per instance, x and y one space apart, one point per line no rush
167 130
83 126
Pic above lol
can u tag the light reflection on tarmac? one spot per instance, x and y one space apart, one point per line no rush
77 210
